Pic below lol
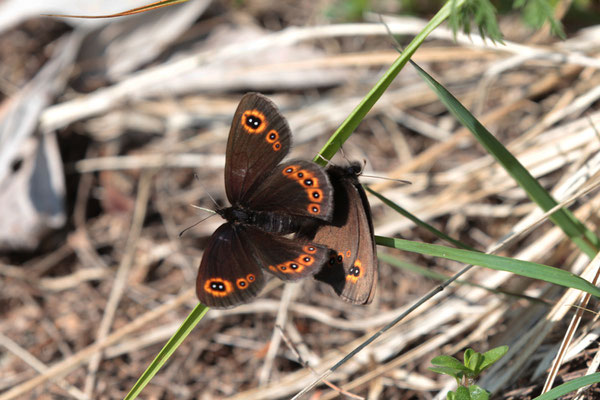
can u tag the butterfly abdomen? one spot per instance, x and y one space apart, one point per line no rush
266 221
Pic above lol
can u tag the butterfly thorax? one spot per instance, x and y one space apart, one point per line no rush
267 221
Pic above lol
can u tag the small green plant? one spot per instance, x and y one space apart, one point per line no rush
465 373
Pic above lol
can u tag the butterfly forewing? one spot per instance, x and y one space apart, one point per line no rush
296 187
258 140
228 273
352 267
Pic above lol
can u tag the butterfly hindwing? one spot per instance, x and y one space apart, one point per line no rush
288 259
296 187
259 139
228 274
352 266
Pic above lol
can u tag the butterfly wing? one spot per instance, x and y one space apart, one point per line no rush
258 140
288 259
352 266
228 273
296 187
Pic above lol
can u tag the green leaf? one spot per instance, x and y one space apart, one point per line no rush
570 386
448 371
178 337
462 393
478 393
482 12
449 362
468 354
537 12
585 239
493 355
474 363
519 267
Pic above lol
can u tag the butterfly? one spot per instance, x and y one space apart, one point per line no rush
269 200
352 266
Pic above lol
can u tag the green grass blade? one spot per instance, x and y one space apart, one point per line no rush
585 239
358 114
178 337
428 273
417 221
570 386
519 267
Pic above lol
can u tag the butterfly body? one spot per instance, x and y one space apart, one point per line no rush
352 266
264 220
269 199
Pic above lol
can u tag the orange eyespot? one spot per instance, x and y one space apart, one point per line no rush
218 287
349 253
308 182
253 121
314 208
305 259
272 136
302 174
315 182
290 169
309 249
315 195
355 272
241 283
251 278
276 146
290 267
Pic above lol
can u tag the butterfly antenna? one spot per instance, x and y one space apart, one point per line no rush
197 223
203 209
206 190
387 179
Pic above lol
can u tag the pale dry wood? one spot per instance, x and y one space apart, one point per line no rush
470 294
67 365
306 365
290 293
410 380
107 98
434 343
592 368
120 281
149 161
38 366
72 280
592 276
556 151
521 350
584 341
531 338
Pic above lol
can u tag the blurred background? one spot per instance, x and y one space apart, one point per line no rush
110 129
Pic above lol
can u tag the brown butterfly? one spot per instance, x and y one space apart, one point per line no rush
352 266
269 199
